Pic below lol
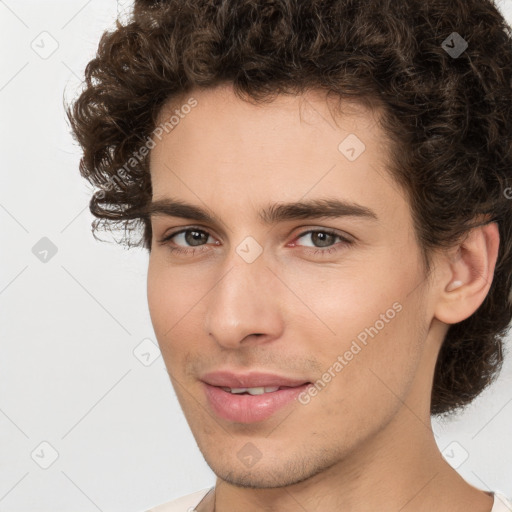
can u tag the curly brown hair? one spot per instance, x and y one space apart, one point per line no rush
449 118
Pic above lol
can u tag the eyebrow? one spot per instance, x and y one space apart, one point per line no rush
272 214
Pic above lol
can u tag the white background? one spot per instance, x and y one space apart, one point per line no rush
70 325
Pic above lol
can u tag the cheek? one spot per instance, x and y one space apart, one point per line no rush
369 368
175 296
156 300
162 295
368 325
327 306
169 289
345 300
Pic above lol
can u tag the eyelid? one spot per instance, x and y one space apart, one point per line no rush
331 231
182 229
345 240
342 234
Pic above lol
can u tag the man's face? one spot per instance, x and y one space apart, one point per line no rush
350 318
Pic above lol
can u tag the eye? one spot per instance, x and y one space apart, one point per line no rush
198 240
193 236
324 237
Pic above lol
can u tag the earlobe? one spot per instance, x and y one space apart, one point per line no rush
469 275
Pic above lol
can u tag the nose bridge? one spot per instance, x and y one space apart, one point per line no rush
244 300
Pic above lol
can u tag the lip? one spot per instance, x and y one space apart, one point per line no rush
249 408
250 380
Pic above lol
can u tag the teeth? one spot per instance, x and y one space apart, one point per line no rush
252 391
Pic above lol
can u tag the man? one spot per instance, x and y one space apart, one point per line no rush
322 189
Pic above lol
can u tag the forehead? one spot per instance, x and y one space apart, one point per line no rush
284 150
219 110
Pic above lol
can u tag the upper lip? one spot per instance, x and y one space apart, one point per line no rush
249 380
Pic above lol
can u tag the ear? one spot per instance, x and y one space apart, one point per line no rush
470 270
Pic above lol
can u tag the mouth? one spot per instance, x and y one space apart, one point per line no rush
252 380
250 405
256 390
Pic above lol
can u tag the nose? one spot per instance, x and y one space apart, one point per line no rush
244 305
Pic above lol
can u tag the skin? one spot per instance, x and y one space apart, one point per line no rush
364 442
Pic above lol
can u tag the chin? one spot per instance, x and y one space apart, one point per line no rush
261 479
267 474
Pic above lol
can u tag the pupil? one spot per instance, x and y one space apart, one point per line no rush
325 237
193 236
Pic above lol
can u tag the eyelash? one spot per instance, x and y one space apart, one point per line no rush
315 251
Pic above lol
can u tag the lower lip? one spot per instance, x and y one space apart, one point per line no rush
249 408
